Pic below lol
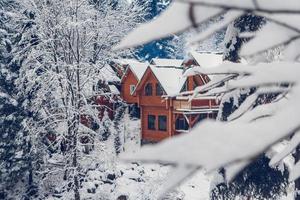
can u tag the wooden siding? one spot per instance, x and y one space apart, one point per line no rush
128 79
152 100
206 103
155 135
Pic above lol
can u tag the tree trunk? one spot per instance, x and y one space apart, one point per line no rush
74 164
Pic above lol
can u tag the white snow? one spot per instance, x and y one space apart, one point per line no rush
137 68
125 61
289 148
207 60
108 74
170 78
153 176
215 144
289 5
227 19
175 19
166 62
10 99
262 41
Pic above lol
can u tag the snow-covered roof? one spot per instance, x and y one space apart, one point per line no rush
171 79
162 62
125 61
108 74
113 89
138 69
207 60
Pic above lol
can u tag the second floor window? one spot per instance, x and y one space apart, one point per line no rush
148 89
151 122
159 90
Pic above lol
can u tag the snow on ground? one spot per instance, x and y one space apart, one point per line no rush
107 178
197 188
142 181
132 141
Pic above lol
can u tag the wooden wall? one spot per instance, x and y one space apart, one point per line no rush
128 79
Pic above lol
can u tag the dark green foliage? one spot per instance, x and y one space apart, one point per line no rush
15 158
247 23
162 48
257 181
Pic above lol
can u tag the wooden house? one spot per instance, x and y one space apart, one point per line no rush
162 95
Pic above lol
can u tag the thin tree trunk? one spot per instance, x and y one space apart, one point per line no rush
78 114
74 164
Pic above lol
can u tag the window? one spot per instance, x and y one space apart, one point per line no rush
148 89
162 123
159 90
151 122
181 124
132 88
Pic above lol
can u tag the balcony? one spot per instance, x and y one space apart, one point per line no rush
196 104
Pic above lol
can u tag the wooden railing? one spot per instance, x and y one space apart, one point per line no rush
195 104
181 104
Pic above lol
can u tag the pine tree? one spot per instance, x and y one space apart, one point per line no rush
248 182
106 127
15 155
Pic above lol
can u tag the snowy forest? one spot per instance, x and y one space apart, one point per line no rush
69 130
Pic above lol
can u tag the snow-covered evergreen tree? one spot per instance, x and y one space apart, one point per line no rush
106 127
16 157
230 102
171 47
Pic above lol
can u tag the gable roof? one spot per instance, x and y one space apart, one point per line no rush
137 68
163 62
170 78
207 60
